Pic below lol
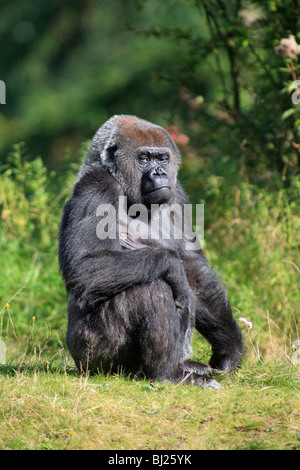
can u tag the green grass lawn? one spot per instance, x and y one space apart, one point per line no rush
258 408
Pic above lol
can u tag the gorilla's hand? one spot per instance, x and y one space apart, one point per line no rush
175 276
227 361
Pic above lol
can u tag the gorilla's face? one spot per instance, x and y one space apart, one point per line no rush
142 157
154 164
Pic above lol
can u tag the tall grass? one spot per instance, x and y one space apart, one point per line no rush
31 200
258 252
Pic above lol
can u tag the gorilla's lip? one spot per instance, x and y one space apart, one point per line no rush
157 189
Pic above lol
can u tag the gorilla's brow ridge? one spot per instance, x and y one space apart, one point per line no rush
154 150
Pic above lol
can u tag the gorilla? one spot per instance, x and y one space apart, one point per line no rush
134 301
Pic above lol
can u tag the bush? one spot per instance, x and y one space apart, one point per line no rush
32 292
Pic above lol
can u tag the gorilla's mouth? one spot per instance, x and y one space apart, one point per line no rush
158 189
157 195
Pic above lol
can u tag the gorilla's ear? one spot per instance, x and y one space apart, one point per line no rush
107 155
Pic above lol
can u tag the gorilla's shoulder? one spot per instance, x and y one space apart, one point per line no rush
94 178
181 195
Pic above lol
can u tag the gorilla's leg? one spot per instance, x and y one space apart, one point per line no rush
164 333
214 320
102 340
139 331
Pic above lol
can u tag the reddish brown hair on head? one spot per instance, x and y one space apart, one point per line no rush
143 132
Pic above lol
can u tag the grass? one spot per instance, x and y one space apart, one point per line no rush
258 408
46 404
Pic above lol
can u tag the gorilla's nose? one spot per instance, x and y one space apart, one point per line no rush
158 171
156 178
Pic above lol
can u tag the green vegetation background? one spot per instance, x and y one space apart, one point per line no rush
207 71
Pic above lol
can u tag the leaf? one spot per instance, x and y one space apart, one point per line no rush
296 357
287 113
154 412
147 387
2 352
297 123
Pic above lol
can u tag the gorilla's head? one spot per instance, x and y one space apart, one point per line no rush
141 156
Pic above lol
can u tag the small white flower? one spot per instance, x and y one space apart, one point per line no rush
246 324
288 48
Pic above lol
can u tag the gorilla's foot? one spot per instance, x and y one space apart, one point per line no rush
199 368
198 374
200 380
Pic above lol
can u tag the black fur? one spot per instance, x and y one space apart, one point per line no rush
124 294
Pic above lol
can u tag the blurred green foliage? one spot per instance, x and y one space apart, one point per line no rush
208 66
68 66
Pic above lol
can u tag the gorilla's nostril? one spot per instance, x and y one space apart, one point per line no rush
158 171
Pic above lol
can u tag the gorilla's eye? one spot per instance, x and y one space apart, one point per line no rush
164 158
143 158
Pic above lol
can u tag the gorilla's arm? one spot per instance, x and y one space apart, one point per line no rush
213 319
95 270
213 315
